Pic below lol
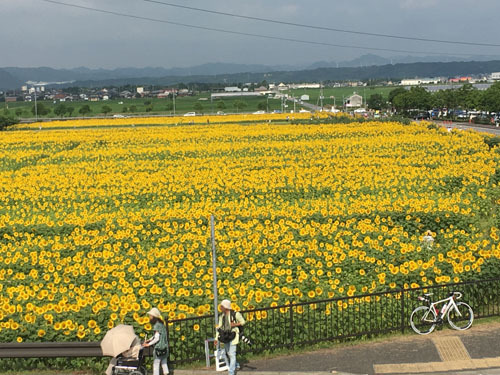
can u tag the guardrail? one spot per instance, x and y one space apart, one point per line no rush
293 324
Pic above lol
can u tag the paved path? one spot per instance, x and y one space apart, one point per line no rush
466 126
472 352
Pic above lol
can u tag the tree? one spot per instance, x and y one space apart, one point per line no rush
238 104
60 110
396 92
221 105
133 109
262 106
490 100
41 109
6 121
376 101
149 108
106 109
70 110
84 110
198 107
418 98
19 112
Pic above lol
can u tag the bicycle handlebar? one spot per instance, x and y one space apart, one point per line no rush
458 294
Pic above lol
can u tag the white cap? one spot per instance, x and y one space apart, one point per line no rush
226 304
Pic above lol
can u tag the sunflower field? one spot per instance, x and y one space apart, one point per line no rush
99 225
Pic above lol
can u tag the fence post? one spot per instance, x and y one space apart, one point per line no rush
290 306
403 310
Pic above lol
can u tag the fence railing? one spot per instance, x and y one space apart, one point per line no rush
295 324
334 319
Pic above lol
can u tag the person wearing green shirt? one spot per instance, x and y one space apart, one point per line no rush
159 341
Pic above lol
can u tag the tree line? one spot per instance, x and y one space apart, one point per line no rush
466 97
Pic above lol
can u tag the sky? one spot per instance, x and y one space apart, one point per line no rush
36 33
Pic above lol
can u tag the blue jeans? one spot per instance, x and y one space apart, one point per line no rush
231 356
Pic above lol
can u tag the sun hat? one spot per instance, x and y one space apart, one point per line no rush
226 304
154 312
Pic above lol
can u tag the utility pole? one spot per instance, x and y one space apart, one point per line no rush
36 107
173 96
321 95
214 269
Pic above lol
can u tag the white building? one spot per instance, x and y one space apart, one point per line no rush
304 98
420 81
495 76
304 86
232 89
354 101
140 90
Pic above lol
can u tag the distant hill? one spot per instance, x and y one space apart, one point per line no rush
389 71
7 81
11 78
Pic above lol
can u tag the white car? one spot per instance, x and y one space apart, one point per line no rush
304 111
190 114
260 113
220 113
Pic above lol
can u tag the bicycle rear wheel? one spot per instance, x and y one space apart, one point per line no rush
461 319
423 320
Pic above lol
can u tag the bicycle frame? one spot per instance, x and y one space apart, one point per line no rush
449 303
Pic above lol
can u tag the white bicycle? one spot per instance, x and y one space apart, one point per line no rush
424 319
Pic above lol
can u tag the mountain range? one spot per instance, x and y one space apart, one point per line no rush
359 68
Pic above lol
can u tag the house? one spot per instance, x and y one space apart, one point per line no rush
10 99
495 76
232 89
354 101
125 94
282 87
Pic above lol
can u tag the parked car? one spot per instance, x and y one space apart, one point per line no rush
190 114
259 112
220 113
422 116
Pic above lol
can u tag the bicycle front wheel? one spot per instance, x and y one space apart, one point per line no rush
423 320
462 317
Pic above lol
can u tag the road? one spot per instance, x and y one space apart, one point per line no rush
466 126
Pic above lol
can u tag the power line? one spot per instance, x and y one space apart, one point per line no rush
324 28
302 41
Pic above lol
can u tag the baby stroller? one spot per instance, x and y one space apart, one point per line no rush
130 366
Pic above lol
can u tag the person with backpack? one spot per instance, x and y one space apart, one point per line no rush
228 332
159 341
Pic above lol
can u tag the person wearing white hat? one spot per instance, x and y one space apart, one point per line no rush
159 341
229 333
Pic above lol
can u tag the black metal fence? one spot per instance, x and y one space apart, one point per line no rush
335 319
295 324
